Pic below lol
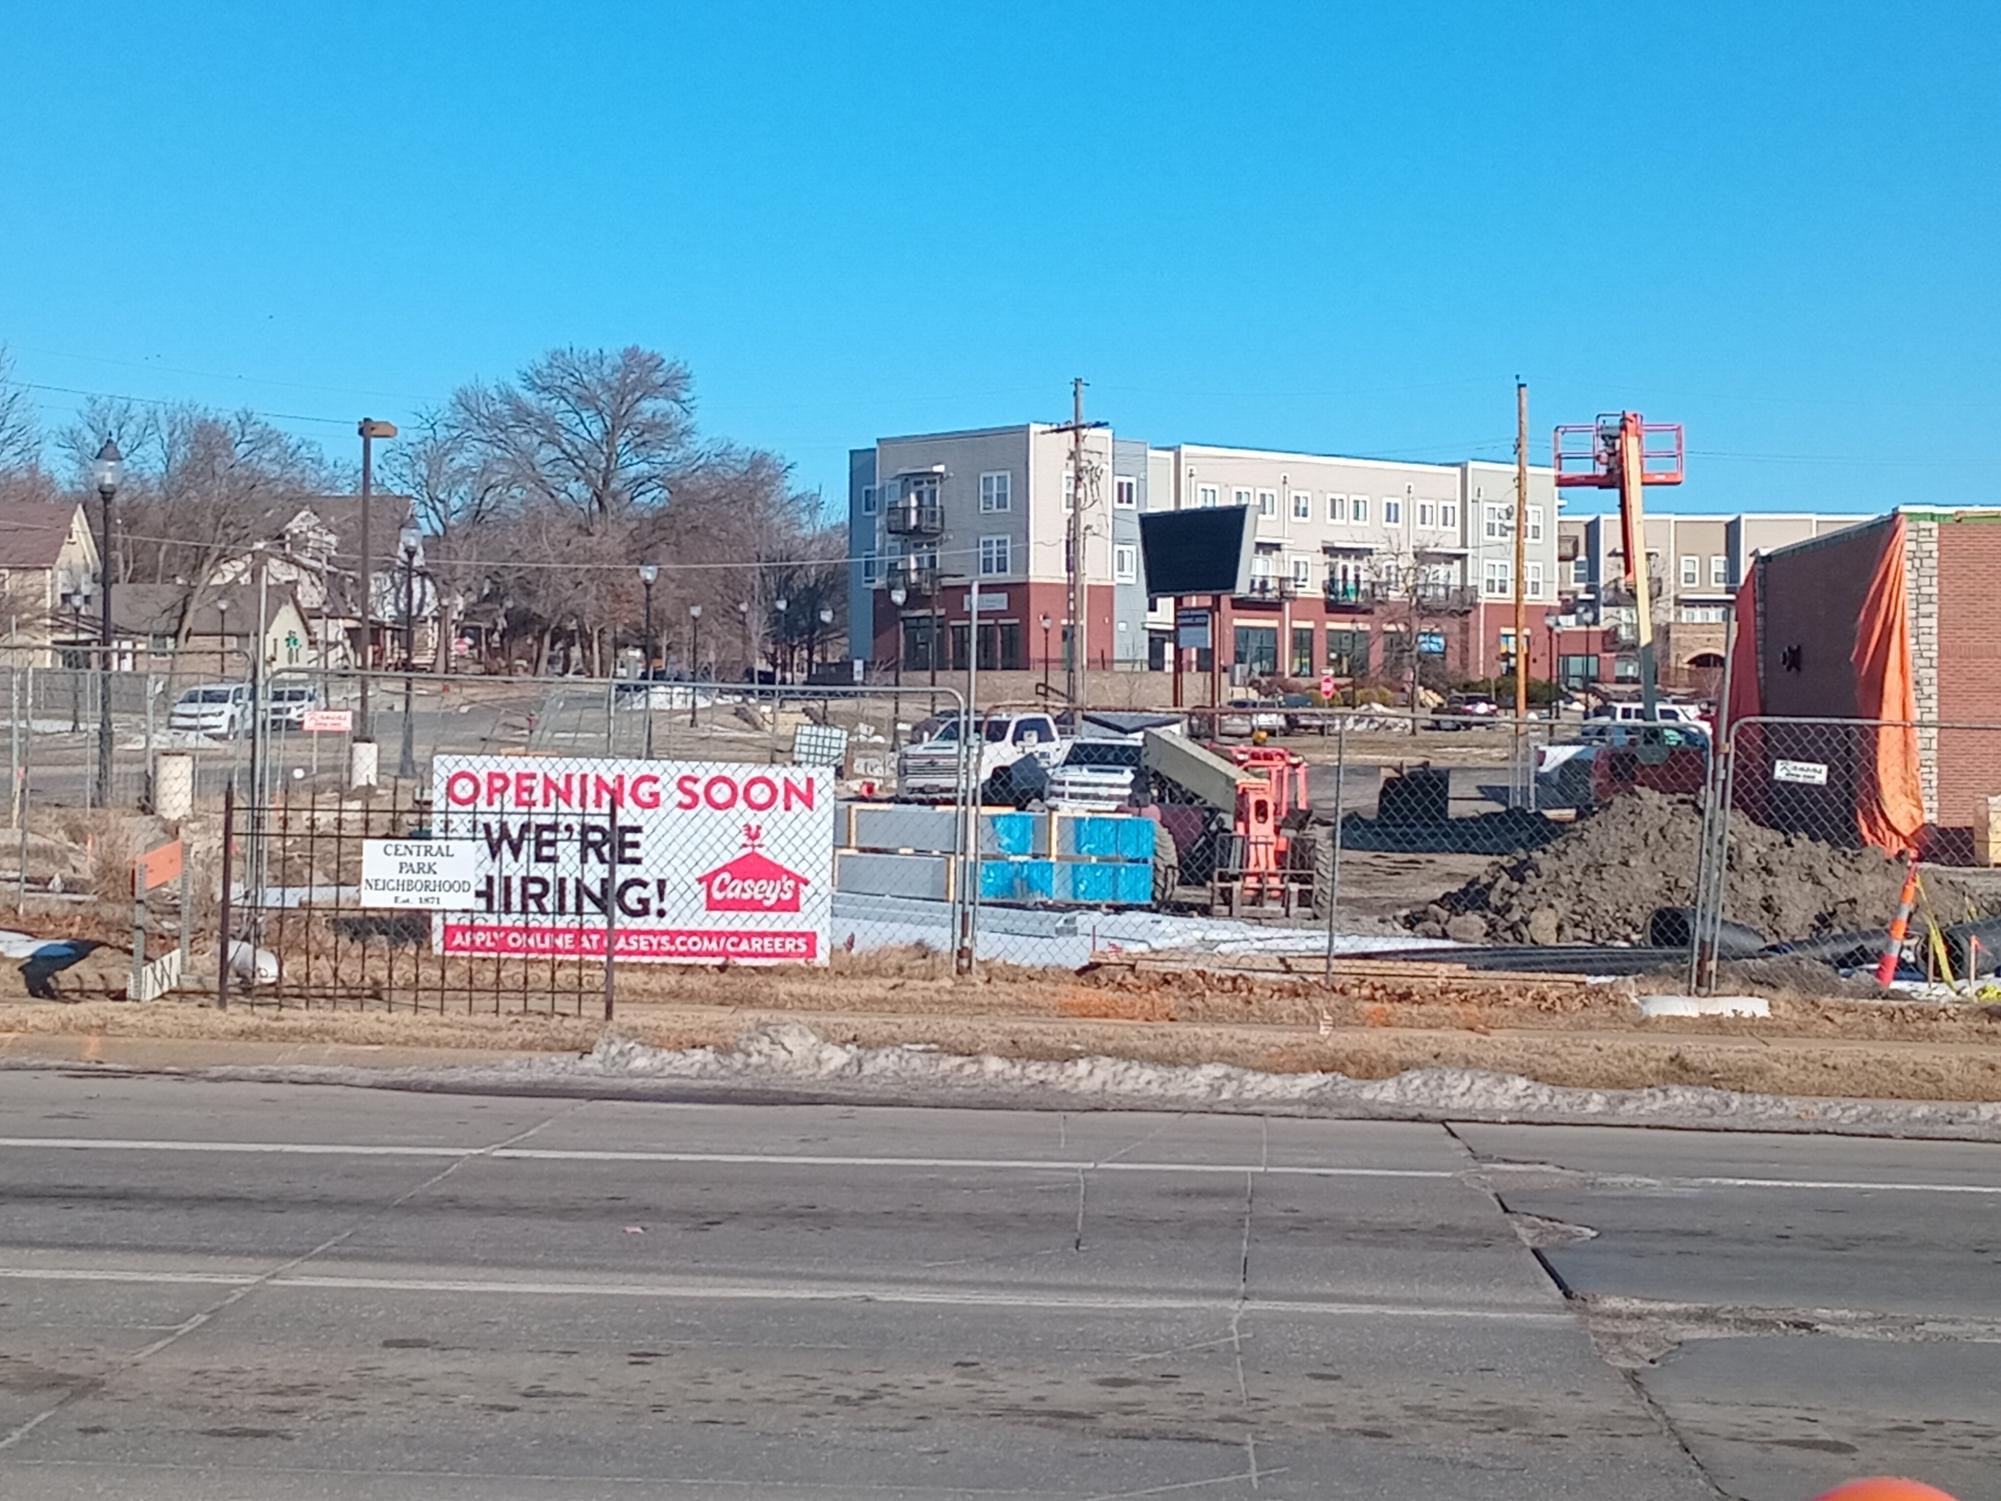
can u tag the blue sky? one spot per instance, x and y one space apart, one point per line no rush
1338 227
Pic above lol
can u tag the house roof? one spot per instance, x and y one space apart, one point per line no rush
155 609
33 532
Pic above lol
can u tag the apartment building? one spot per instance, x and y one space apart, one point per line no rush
1694 565
1358 562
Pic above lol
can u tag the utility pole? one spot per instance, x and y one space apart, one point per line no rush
1076 656
1521 551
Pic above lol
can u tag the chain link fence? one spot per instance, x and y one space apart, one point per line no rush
1861 844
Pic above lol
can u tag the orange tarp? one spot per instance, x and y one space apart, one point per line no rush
1889 798
1745 697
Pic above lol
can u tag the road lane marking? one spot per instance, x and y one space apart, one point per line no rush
748 1159
987 1164
695 1290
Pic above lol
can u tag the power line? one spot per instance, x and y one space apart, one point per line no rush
257 380
156 401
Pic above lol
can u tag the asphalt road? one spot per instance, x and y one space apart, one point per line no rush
285 1292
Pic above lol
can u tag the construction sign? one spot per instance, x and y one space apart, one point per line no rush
676 862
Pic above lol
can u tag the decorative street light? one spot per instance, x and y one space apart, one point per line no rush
106 472
1046 624
694 657
221 638
412 542
785 645
819 637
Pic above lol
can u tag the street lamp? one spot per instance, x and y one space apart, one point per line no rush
819 639
897 595
369 429
221 637
1046 624
412 542
779 604
107 470
694 657
649 574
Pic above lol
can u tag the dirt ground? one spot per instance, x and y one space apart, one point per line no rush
1369 1025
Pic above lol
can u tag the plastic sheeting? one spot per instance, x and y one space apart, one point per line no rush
1889 797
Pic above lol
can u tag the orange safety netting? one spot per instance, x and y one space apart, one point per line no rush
1889 798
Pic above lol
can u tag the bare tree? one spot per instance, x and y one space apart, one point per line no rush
20 434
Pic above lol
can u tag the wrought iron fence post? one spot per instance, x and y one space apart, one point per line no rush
222 918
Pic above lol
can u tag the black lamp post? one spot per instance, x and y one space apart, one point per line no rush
106 471
1047 622
897 595
222 638
649 574
412 543
784 644
812 661
369 429
694 657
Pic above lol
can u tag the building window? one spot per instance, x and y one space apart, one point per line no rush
1690 571
871 569
1703 614
1302 505
1337 508
1358 508
1125 564
1534 590
993 556
1392 510
1719 571
1261 568
1448 514
1578 670
1257 649
1427 514
1535 523
1125 492
1268 503
1347 652
1493 522
1302 573
869 500
1580 569
1497 576
1302 651
996 492
1205 496
1240 497
1069 488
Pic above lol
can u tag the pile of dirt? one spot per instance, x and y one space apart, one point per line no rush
1601 881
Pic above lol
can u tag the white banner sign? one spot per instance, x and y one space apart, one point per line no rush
1810 773
437 875
678 862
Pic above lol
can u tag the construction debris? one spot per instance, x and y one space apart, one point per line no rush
1602 880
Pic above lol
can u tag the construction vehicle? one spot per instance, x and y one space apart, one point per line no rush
1240 828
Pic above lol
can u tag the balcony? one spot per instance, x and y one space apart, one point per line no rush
913 518
1355 594
917 576
1618 591
1447 599
1269 590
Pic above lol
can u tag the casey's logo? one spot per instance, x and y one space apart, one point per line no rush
752 882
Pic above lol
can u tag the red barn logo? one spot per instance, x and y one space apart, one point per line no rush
752 882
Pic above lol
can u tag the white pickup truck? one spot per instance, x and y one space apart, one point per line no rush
929 772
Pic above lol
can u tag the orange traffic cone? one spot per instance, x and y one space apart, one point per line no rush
1884 1488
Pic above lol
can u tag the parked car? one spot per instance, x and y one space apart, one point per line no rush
286 706
929 771
220 709
1241 718
1302 715
1608 757
1097 776
1666 711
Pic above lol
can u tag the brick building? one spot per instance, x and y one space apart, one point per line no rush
1810 598
1358 562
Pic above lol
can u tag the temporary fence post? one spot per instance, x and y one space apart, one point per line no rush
146 772
611 919
186 931
138 934
1340 793
14 744
222 917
